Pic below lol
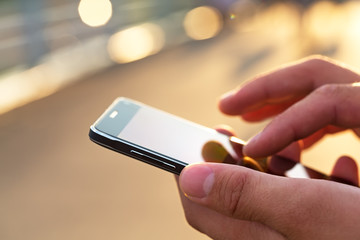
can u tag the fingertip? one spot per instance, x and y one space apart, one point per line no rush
225 129
345 171
196 180
250 147
225 102
246 151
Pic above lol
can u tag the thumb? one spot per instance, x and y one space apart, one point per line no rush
245 194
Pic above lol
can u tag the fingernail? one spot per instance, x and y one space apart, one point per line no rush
196 180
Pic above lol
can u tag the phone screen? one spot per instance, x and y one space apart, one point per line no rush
158 131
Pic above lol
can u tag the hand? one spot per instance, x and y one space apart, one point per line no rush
232 202
310 98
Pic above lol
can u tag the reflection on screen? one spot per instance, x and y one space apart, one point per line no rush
170 135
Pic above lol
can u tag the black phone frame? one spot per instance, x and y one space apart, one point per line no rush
135 151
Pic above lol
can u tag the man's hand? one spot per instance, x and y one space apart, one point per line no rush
308 99
232 202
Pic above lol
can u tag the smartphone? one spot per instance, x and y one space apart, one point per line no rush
154 136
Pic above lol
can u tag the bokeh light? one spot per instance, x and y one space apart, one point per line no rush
352 19
136 42
281 20
203 23
324 20
95 13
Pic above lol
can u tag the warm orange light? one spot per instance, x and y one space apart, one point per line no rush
203 23
95 13
136 43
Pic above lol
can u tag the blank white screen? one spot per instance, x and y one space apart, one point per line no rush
169 135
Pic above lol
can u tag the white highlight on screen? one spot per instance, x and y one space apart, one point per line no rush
113 114
170 135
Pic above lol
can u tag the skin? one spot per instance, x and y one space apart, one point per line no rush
307 100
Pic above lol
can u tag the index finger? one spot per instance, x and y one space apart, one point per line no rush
335 104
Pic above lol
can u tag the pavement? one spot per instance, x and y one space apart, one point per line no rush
56 184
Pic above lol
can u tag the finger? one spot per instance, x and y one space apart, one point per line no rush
357 131
201 181
345 171
329 105
266 111
236 143
315 137
225 129
289 206
286 84
213 151
285 159
279 165
315 174
219 226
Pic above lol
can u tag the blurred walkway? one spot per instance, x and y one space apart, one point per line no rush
56 184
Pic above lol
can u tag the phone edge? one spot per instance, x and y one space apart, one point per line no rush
136 152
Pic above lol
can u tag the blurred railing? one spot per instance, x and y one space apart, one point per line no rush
37 28
46 44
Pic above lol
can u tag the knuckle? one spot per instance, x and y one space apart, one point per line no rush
317 61
344 114
328 91
338 100
308 68
312 65
233 190
234 194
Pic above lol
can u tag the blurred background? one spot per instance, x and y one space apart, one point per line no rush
63 62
